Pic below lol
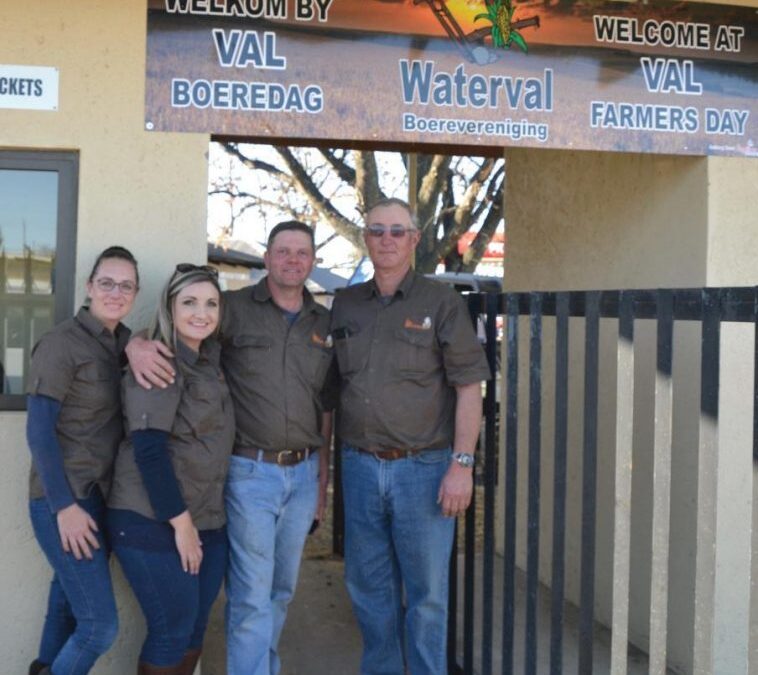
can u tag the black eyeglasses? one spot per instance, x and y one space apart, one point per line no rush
183 268
396 231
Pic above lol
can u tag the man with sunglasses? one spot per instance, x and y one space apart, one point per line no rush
277 356
409 416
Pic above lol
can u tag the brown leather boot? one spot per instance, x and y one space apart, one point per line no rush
38 668
148 669
187 666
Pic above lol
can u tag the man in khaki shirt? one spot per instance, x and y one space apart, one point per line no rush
277 357
409 415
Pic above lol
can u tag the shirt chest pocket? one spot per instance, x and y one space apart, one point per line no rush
318 358
98 384
352 352
202 407
252 351
416 350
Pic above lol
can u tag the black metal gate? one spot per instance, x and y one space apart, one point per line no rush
483 637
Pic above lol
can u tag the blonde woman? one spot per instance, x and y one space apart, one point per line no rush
166 510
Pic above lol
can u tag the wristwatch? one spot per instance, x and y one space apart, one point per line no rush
465 459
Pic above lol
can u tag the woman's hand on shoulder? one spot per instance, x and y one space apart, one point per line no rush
188 542
77 530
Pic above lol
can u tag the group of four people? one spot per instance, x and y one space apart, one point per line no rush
209 459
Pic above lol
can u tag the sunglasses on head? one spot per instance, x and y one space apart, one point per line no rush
397 231
183 268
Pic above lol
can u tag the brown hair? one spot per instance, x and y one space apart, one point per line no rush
115 252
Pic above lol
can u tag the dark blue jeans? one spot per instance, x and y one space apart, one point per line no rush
397 546
81 622
176 604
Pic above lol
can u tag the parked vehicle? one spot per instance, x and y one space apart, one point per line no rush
467 282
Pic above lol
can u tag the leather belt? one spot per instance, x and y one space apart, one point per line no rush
389 454
280 457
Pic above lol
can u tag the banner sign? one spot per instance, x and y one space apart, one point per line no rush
678 78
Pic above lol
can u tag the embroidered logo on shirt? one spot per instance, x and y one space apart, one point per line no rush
322 342
426 324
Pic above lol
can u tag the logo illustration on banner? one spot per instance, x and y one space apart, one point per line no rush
503 31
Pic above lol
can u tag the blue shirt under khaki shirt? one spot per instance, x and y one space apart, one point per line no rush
280 373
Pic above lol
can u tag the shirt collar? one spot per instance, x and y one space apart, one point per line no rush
209 351
184 353
403 289
96 329
262 293
90 323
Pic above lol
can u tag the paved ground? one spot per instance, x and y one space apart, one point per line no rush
320 636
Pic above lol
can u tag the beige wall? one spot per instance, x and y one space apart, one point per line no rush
143 190
593 221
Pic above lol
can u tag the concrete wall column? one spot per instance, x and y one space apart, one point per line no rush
145 191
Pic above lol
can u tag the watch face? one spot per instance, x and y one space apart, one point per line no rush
464 459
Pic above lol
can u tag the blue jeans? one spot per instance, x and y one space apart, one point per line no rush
397 547
176 605
269 509
81 622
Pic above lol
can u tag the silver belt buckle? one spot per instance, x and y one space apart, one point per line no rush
282 454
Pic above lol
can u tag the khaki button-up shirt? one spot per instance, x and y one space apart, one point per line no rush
281 376
399 363
79 364
197 412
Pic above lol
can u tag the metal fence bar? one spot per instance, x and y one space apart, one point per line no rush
452 613
338 512
707 484
664 402
589 483
511 472
755 381
709 306
739 306
533 498
623 482
469 547
559 483
490 448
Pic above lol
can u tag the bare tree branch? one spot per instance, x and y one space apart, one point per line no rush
325 209
473 255
342 168
453 194
255 164
462 218
366 180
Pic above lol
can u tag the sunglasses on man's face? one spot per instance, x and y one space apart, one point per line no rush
396 231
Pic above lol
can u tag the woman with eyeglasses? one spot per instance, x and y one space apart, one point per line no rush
166 515
74 428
